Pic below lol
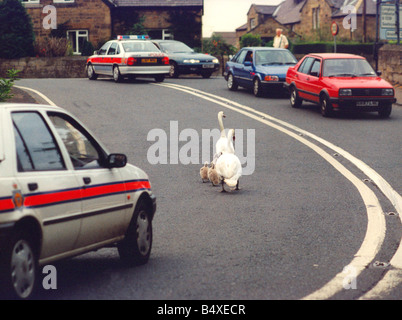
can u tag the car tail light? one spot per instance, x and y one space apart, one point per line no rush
165 60
131 61
271 78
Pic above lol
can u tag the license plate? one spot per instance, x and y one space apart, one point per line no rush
367 103
208 66
148 60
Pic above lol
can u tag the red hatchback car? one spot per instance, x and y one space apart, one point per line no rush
339 82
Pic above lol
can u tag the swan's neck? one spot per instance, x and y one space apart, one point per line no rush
221 124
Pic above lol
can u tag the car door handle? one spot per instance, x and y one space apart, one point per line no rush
86 180
32 186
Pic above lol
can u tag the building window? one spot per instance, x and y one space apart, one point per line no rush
252 23
164 34
316 18
30 1
77 39
63 1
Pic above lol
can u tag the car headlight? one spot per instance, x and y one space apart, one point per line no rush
191 61
387 92
345 92
215 61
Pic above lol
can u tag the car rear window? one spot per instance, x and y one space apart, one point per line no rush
139 46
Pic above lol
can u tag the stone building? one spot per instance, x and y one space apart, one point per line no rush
100 20
311 19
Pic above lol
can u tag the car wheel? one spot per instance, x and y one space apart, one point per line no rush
326 107
117 77
295 101
385 112
257 90
19 268
173 71
135 249
91 72
160 78
232 84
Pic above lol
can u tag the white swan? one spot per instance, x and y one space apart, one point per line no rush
223 144
228 167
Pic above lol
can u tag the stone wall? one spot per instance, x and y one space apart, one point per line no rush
57 67
93 15
390 63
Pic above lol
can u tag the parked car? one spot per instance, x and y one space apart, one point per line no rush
339 82
63 194
183 59
128 56
261 69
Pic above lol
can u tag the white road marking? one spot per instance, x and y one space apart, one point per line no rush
376 227
50 102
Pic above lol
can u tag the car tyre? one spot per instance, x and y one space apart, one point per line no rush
206 75
326 107
232 84
91 72
385 112
173 71
19 268
135 249
160 78
295 101
257 89
117 77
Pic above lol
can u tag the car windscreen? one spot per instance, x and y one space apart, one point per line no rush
347 67
274 57
175 47
139 46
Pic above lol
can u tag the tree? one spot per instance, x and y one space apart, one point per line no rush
16 31
186 27
250 40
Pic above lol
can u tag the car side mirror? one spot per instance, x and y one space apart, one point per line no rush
95 52
379 73
248 63
315 74
116 160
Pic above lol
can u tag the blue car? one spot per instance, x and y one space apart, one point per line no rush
183 59
261 69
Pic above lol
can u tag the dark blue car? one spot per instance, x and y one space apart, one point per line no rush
261 69
183 59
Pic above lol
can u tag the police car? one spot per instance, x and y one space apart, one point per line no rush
128 56
63 194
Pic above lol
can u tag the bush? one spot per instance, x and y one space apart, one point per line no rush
16 31
342 47
218 47
250 40
87 49
7 84
51 47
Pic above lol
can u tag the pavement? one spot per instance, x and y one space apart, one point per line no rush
22 96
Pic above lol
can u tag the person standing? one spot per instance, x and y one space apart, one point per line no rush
280 40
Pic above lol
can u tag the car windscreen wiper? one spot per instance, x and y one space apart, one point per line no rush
343 75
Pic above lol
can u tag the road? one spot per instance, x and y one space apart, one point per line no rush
310 220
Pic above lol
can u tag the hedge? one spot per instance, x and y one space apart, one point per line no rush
342 47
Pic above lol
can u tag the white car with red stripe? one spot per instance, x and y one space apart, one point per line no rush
63 194
128 56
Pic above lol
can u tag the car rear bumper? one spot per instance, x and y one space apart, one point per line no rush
125 70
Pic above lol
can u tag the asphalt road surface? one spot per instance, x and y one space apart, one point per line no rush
317 216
